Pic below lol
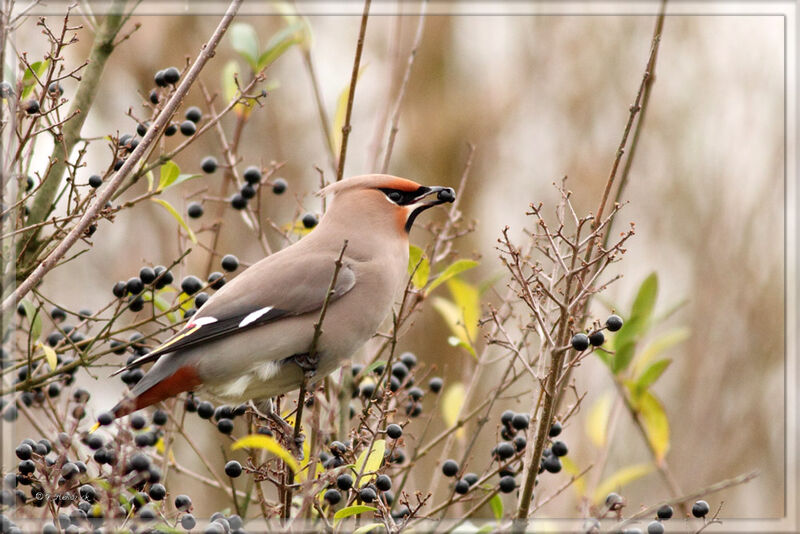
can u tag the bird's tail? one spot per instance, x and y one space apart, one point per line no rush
146 393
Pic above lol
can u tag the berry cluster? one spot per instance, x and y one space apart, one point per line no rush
581 341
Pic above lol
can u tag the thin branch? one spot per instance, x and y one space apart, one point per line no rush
401 95
312 355
353 79
703 492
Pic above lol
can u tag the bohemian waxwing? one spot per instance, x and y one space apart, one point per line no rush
249 339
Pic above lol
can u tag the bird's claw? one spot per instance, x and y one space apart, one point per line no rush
307 363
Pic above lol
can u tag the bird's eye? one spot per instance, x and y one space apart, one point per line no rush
395 196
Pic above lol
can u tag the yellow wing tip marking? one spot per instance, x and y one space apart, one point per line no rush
177 338
94 427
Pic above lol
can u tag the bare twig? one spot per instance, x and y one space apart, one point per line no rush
403 85
353 80
708 490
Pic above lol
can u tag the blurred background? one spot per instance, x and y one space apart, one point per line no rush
540 97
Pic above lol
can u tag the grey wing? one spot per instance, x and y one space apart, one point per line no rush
239 306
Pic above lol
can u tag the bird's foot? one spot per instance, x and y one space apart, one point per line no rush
308 363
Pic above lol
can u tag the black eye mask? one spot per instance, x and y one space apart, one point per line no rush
407 198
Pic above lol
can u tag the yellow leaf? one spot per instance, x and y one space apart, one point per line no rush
267 443
656 424
50 356
467 298
624 476
451 315
177 217
452 400
306 471
597 420
169 172
570 467
370 465
457 267
418 266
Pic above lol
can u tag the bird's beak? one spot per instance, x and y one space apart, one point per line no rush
420 204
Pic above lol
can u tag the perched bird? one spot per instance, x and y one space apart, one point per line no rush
251 339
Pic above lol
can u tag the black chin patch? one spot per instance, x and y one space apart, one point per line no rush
413 215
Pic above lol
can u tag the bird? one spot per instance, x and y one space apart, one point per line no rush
252 339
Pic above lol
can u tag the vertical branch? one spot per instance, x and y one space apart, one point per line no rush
312 358
353 80
634 111
649 79
401 95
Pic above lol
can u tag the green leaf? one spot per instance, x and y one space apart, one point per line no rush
367 528
34 318
245 41
418 266
166 529
177 217
280 43
150 179
291 17
371 367
637 324
452 401
656 424
169 173
370 465
50 356
454 341
632 329
624 476
597 420
623 357
457 267
658 346
184 178
28 79
267 443
650 375
645 299
351 511
496 503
